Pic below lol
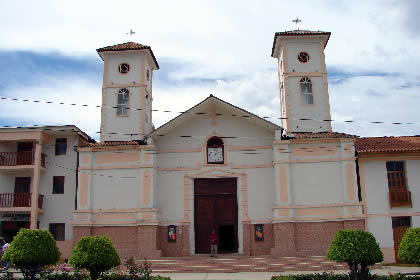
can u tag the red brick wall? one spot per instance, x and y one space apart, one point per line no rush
261 247
172 249
135 241
306 239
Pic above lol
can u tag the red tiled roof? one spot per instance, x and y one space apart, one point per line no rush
298 33
388 144
129 46
310 135
111 144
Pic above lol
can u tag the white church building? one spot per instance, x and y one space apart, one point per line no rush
266 189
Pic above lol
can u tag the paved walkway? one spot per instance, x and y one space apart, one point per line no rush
235 263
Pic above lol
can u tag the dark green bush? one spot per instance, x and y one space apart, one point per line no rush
96 254
409 250
357 248
30 250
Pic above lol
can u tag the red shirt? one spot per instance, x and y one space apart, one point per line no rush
213 239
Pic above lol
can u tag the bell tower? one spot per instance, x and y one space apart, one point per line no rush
304 99
126 112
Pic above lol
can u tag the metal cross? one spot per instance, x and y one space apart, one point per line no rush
131 33
296 21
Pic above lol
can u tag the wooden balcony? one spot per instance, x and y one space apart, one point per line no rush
399 197
11 200
19 158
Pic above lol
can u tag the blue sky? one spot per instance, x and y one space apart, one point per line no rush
47 52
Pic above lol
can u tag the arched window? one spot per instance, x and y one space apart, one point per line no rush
215 150
122 102
306 94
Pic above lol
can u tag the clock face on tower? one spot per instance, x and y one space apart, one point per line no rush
215 155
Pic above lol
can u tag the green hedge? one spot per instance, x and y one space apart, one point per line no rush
409 250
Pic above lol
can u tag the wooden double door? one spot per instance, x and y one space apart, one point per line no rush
216 207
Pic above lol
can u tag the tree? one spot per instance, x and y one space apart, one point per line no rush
95 254
358 249
30 250
409 250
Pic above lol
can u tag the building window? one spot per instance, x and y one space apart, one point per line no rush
396 174
122 102
147 74
215 151
303 57
306 91
401 222
58 231
58 185
60 146
123 68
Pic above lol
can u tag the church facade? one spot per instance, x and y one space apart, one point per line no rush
266 189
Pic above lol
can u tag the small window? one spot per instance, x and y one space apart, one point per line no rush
303 57
58 185
306 91
147 74
58 231
60 146
122 102
396 174
401 222
123 68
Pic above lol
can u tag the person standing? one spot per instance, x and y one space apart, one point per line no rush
213 243
4 249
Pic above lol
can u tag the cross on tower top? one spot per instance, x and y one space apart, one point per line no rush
297 21
131 33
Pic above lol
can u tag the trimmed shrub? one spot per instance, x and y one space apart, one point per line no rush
96 254
409 250
30 250
357 248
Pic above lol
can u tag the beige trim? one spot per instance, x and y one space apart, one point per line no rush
192 168
240 148
117 167
116 216
84 189
115 148
284 192
314 151
363 191
321 218
318 205
84 159
389 254
351 193
116 158
35 186
247 166
318 212
131 210
303 74
315 160
412 214
105 86
388 157
147 188
283 212
197 150
21 136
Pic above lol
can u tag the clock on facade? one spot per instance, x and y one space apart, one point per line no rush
215 155
123 68
215 150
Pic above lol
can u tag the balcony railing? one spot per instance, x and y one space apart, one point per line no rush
399 197
19 158
8 200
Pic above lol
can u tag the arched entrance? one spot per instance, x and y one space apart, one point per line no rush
215 207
